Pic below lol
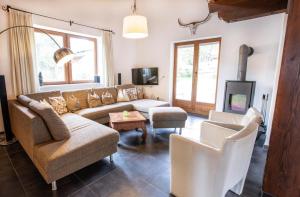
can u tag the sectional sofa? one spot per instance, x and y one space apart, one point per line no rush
90 139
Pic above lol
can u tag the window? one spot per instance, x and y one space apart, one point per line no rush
81 69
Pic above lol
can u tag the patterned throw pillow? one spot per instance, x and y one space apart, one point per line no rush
131 93
73 103
107 98
140 93
94 100
59 104
122 96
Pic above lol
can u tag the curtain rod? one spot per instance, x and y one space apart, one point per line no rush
7 8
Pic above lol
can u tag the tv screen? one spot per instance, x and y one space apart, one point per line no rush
145 76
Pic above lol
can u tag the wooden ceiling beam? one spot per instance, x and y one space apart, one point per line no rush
237 10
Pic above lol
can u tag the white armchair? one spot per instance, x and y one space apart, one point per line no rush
218 162
234 121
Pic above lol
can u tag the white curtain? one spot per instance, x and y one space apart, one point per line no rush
22 53
108 58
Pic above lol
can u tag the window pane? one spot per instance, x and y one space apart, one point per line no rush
45 48
184 80
83 65
208 72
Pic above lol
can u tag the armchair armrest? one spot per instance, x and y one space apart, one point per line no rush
235 127
225 117
214 135
190 163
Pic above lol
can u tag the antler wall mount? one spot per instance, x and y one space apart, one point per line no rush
194 25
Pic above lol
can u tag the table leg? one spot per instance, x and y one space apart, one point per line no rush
144 136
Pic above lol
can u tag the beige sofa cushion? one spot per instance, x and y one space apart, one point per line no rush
24 100
88 138
125 86
82 96
43 95
103 111
56 126
113 92
144 105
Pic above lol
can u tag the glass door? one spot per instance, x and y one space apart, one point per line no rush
196 75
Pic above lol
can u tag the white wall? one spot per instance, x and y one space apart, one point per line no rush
263 34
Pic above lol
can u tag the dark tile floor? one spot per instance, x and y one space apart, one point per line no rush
138 170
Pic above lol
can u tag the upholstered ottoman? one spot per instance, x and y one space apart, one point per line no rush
167 117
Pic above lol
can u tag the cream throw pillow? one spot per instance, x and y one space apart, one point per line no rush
122 96
107 98
56 126
59 104
73 103
131 93
140 92
94 100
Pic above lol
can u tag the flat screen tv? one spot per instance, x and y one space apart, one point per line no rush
145 76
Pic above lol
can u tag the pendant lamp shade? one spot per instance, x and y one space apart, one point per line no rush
135 27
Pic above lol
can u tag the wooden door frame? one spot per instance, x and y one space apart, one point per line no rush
190 106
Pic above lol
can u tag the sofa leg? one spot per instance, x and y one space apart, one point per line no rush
154 131
54 187
111 159
180 131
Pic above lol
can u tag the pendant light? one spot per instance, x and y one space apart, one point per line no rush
135 26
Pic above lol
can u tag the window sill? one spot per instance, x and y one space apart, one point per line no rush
68 87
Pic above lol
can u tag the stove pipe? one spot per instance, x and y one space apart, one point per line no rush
245 52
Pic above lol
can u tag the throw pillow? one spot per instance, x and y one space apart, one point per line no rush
56 126
122 96
94 100
131 93
73 103
107 98
59 104
140 93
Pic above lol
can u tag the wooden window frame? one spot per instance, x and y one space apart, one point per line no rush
68 66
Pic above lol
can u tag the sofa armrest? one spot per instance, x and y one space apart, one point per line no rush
27 127
214 135
225 117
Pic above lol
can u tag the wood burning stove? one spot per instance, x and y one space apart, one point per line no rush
239 96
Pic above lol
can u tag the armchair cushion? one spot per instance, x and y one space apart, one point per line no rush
214 135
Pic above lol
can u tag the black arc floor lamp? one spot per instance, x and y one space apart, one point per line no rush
61 56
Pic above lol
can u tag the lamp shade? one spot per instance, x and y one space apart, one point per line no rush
135 27
63 55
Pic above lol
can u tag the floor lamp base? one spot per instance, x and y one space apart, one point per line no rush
6 143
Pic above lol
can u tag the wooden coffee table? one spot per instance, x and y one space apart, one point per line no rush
134 120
